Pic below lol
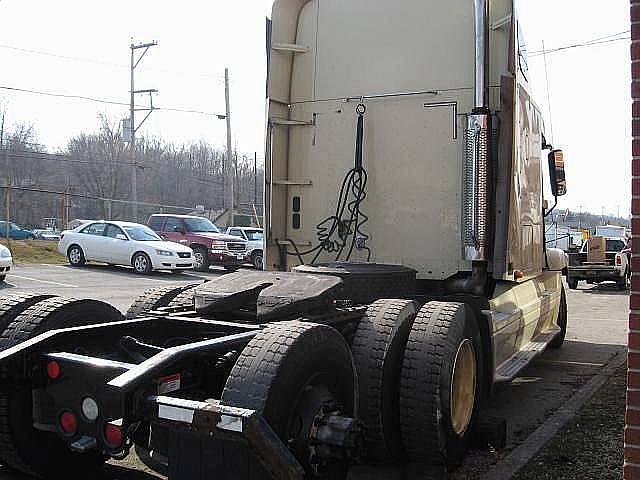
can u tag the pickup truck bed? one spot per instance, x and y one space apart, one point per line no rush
615 269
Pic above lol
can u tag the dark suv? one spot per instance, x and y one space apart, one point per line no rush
210 247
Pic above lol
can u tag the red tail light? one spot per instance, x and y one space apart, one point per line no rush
112 435
53 370
68 423
618 260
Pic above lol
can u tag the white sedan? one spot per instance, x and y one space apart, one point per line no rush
123 243
5 262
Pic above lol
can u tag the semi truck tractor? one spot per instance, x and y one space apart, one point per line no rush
405 272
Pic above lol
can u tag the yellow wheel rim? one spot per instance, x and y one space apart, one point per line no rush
463 387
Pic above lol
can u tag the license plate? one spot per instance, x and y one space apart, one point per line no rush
240 256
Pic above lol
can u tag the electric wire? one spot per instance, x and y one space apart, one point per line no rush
104 101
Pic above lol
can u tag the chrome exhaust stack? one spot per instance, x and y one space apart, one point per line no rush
476 215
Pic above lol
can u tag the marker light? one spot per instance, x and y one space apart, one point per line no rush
53 369
112 435
68 423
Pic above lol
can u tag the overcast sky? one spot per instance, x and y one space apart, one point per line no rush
588 87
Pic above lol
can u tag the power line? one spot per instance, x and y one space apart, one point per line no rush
217 76
589 43
104 101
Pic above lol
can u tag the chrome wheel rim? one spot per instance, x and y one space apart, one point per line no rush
140 263
198 259
74 255
463 387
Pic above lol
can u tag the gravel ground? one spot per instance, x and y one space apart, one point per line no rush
591 445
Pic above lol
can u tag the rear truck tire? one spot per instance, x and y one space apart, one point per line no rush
14 304
155 298
22 447
141 263
378 348
75 255
558 340
291 372
200 259
572 283
257 260
440 384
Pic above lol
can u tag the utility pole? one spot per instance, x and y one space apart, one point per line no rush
8 190
228 173
132 121
255 178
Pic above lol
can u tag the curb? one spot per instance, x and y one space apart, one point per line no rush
521 455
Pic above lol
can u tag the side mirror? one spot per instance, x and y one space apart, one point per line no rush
556 173
121 236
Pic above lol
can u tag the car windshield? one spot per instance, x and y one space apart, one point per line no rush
141 233
254 235
200 225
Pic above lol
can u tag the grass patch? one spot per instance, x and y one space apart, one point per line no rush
35 251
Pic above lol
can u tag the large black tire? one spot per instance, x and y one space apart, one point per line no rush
22 447
378 349
441 332
14 304
155 298
293 367
201 259
558 340
75 255
572 282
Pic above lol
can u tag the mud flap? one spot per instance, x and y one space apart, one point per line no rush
210 440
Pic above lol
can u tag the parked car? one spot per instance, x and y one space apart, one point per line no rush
210 246
255 240
46 234
124 243
5 262
15 231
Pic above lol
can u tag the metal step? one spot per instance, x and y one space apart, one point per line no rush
289 48
509 369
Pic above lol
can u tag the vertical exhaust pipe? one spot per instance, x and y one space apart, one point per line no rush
476 213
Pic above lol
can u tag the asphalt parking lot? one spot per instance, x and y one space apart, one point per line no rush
597 328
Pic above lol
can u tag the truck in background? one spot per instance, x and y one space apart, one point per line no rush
611 266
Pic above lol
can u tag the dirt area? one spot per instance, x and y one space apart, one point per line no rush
35 251
591 445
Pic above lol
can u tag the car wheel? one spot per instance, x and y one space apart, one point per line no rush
200 260
257 260
76 256
141 263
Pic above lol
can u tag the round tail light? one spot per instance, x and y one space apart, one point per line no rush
68 423
53 369
112 435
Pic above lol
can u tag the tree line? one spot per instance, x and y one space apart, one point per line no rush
91 178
